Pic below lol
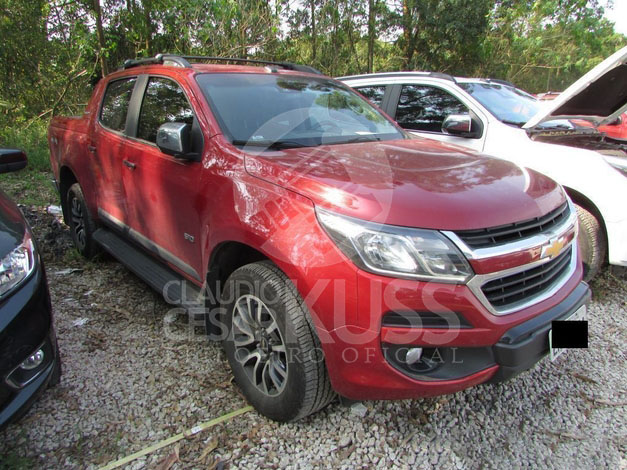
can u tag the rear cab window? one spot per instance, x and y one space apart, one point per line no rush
116 102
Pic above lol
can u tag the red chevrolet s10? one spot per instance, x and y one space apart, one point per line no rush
330 252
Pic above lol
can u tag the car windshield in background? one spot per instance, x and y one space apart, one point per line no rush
282 111
508 104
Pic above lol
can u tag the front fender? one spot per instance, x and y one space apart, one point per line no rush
282 225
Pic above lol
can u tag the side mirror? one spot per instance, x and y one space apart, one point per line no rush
12 160
616 122
174 138
457 124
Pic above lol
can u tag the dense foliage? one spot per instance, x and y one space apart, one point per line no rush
53 51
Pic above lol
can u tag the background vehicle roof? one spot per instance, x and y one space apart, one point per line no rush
443 76
423 74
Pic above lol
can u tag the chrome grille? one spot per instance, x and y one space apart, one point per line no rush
509 290
488 237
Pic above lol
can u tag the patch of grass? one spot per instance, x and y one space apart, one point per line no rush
13 461
30 187
73 257
33 185
31 139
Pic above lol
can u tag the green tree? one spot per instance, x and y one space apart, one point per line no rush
55 50
442 35
546 45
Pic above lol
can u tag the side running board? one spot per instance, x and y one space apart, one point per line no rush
161 278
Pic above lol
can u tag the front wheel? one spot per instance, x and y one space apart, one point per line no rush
271 344
592 243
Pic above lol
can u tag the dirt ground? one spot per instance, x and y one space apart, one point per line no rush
134 374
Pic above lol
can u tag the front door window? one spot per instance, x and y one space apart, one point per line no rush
424 108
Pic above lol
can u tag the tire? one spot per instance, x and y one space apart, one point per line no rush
55 378
592 243
81 222
279 367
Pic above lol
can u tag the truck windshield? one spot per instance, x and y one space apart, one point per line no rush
282 111
508 104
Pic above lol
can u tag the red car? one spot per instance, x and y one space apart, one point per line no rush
616 129
329 251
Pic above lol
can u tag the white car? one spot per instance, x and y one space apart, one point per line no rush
496 118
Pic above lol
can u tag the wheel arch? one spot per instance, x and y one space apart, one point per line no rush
66 179
227 256
581 200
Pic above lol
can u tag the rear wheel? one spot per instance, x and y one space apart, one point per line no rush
271 345
592 243
82 225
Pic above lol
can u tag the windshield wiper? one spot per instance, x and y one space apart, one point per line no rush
555 126
275 145
360 138
514 123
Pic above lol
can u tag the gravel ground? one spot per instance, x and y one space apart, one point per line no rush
133 375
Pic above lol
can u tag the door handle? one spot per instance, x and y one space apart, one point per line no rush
128 164
91 148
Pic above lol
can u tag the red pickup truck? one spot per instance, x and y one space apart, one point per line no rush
330 252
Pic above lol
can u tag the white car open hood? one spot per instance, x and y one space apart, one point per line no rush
600 96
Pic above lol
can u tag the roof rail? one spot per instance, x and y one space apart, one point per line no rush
285 65
162 59
500 82
443 76
186 61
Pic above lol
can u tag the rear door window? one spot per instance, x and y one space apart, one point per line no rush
164 101
424 108
115 103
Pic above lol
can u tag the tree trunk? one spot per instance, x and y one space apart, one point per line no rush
101 39
148 26
371 34
407 33
351 40
313 31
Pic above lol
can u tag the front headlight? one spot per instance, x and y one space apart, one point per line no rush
396 251
17 265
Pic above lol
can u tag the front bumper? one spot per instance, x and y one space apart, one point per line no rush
524 345
474 347
25 327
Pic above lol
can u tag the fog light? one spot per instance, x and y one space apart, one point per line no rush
34 361
413 355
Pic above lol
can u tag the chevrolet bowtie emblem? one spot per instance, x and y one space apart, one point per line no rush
553 248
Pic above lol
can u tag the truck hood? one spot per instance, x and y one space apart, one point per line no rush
600 96
413 183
